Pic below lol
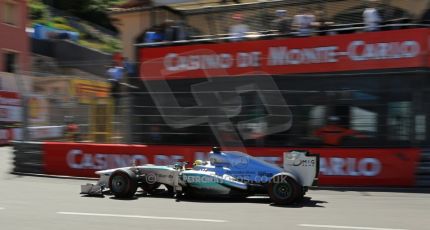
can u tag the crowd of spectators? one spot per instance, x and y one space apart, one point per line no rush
170 30
307 22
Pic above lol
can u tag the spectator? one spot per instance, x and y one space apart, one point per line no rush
155 34
71 130
425 19
303 22
282 23
129 67
238 30
175 30
169 30
322 24
181 27
115 74
371 18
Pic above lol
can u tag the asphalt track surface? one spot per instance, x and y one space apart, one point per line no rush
33 203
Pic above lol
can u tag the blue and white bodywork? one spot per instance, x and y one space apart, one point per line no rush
224 173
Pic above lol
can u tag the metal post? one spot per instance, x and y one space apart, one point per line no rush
129 112
128 106
24 103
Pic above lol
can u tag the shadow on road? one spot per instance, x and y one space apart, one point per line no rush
306 202
164 194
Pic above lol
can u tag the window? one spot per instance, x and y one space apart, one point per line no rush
10 59
420 127
364 120
10 14
317 117
399 120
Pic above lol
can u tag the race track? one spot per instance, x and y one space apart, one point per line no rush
28 202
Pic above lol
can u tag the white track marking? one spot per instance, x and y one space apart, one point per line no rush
141 217
346 227
1 208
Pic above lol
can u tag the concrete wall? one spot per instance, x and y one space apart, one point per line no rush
131 25
69 54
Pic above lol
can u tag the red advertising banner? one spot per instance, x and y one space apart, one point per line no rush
338 167
10 107
349 52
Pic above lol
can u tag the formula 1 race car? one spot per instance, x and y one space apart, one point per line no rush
225 173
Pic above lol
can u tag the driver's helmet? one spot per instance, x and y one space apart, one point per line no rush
197 162
216 150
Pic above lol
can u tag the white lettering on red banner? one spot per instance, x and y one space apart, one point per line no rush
175 62
360 51
285 56
76 159
280 56
336 166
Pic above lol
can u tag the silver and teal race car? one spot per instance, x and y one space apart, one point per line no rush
225 173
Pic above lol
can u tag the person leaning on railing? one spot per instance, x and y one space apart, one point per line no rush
282 23
371 18
238 30
322 25
303 22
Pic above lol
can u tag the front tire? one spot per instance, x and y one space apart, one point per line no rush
123 184
283 190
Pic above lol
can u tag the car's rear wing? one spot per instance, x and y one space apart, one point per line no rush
302 165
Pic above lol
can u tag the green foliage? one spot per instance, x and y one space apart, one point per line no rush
112 45
59 20
91 10
62 27
108 47
37 10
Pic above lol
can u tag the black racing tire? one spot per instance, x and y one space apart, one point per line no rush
284 190
170 190
300 196
123 184
150 188
184 194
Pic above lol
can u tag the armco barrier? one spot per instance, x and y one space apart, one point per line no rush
28 157
338 166
406 167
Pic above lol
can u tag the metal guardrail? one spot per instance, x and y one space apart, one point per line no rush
28 157
269 34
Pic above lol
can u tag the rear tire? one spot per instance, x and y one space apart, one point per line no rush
284 190
123 184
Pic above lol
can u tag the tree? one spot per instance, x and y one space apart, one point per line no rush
94 11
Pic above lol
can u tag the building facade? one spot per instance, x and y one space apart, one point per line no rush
14 42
